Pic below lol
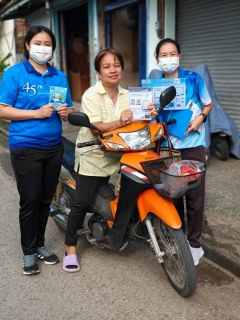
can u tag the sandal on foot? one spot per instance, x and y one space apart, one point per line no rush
70 263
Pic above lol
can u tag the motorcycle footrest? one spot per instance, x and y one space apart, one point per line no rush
83 232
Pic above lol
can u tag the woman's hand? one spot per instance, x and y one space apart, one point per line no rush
45 111
152 109
126 117
194 125
63 111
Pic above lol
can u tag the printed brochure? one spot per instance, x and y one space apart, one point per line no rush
196 111
57 96
159 85
139 99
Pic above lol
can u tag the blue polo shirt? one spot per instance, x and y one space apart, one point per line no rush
24 88
196 91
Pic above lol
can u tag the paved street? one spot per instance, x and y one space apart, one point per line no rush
130 285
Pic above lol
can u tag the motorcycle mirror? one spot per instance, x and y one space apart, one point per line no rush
166 97
80 119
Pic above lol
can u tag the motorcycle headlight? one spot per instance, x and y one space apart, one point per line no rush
158 135
114 146
137 140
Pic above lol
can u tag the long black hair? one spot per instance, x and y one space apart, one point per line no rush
32 31
164 41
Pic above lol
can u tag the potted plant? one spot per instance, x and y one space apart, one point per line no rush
4 65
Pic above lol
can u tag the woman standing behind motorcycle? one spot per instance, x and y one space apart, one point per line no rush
35 139
168 56
106 105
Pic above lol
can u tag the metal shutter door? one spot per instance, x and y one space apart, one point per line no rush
209 32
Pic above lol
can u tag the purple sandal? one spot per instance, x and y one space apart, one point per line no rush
70 263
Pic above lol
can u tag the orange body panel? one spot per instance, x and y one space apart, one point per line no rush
133 159
150 201
113 206
112 136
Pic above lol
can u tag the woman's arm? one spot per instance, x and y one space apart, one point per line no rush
206 109
10 113
126 117
195 123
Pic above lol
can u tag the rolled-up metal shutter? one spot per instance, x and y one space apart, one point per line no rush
208 32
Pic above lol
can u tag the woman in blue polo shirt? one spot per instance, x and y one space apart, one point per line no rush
168 56
35 139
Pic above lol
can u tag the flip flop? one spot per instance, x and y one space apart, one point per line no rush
70 263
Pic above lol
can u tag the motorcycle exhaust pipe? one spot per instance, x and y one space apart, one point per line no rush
59 218
54 212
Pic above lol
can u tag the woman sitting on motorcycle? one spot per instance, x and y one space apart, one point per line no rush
106 105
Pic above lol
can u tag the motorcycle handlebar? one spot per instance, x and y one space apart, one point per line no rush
88 143
96 142
168 123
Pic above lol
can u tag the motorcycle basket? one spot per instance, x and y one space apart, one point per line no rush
173 186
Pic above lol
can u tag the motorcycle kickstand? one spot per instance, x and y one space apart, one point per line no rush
153 241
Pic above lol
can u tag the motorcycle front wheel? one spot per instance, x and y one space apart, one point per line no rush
178 263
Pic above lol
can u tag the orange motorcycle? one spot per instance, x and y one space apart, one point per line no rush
141 206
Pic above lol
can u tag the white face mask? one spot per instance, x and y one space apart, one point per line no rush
168 65
40 54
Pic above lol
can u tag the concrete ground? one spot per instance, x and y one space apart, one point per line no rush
113 286
221 234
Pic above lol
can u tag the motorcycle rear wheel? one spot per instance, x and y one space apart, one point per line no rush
178 263
219 146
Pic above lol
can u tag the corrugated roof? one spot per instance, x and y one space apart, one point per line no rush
12 9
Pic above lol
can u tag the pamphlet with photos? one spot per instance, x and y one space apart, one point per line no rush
139 99
57 96
159 85
196 111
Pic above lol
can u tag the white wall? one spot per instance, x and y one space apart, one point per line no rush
170 19
152 38
7 40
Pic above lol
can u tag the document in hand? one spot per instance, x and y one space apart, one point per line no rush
182 117
57 96
159 85
139 99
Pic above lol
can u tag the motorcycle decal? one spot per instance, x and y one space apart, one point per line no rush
134 172
64 179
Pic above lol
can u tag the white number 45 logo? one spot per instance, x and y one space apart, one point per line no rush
31 89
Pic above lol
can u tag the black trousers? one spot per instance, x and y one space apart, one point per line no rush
36 174
85 191
194 202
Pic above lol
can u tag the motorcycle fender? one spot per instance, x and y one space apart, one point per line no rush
150 201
